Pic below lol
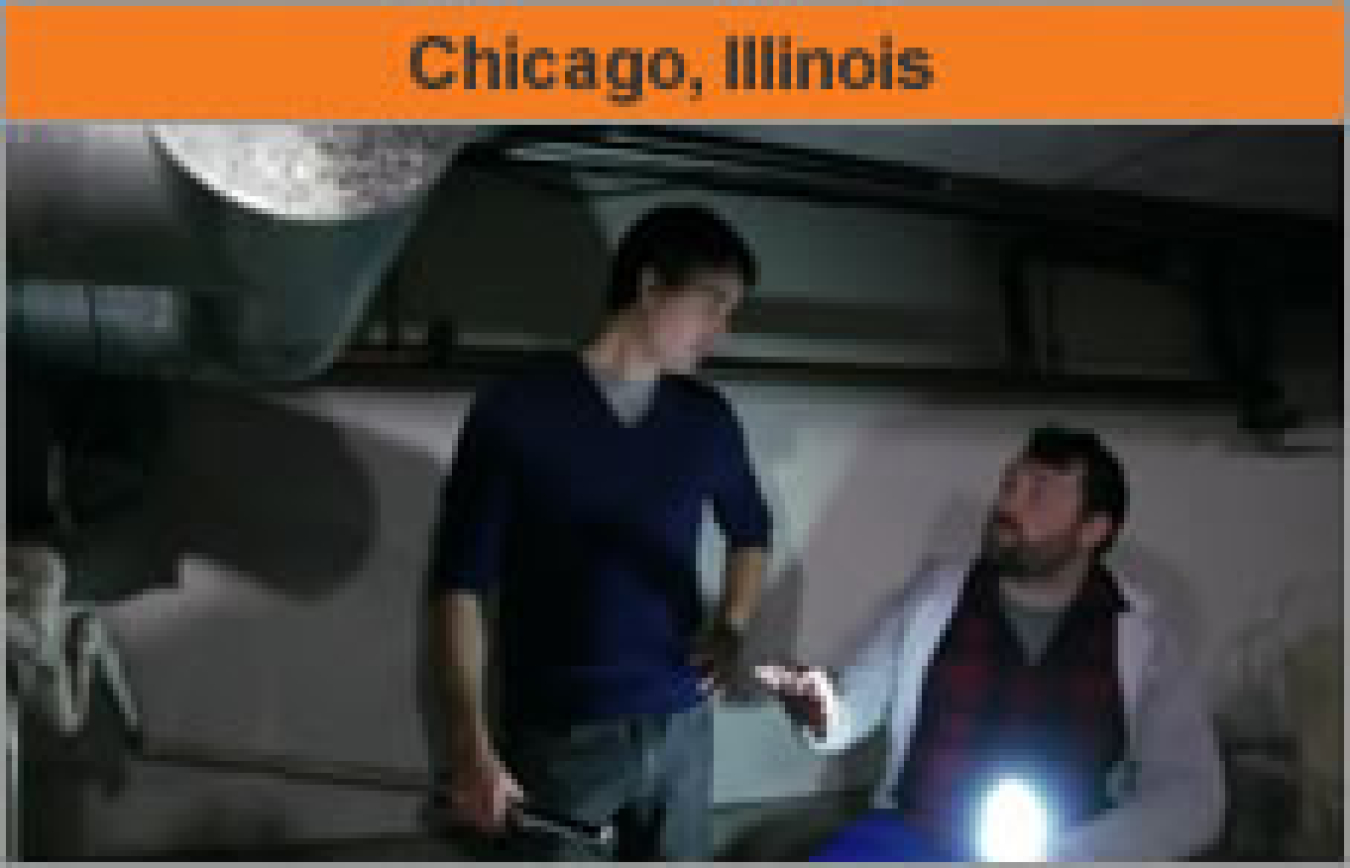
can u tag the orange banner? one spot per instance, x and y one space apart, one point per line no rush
485 63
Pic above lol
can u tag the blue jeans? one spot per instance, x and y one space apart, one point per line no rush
648 775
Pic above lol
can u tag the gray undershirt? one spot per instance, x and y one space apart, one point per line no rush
629 399
1033 625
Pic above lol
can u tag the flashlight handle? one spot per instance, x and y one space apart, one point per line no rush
530 817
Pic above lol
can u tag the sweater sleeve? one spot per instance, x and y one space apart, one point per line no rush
474 510
738 502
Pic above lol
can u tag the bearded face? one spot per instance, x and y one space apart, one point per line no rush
1037 527
1008 549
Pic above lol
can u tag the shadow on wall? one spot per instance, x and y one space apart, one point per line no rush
1252 677
220 830
1171 592
266 492
54 772
499 254
329 679
61 774
771 636
272 496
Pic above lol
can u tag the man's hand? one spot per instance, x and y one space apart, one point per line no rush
481 793
717 651
805 693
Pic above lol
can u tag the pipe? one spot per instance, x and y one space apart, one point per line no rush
243 761
232 253
721 162
123 330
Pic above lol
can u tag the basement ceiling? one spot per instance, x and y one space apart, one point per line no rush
1285 169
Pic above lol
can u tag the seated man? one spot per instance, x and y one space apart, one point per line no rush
1033 675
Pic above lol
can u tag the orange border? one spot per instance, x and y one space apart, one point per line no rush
993 63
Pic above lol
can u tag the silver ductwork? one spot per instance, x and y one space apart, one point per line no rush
128 330
245 252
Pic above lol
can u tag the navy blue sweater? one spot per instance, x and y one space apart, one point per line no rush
588 529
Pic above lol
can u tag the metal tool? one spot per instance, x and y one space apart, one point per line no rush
532 818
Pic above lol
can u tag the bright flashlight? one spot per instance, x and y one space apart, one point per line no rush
1013 824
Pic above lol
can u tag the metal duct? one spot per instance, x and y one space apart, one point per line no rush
125 330
227 252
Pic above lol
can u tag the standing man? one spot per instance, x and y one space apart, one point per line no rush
1034 674
576 494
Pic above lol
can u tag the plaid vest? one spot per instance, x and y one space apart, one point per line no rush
987 713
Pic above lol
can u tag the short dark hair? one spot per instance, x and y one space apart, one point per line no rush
1105 491
676 241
